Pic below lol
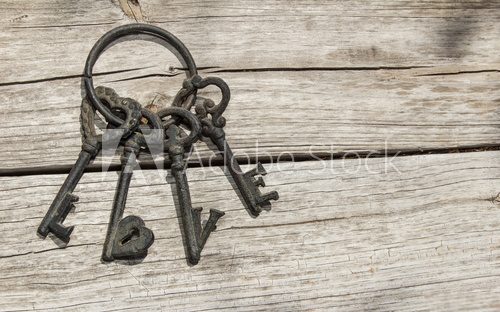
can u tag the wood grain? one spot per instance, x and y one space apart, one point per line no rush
409 233
276 113
53 38
307 77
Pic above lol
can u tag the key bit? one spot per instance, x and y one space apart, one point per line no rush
195 235
264 199
259 182
132 239
128 238
247 183
255 171
64 201
260 199
55 225
210 226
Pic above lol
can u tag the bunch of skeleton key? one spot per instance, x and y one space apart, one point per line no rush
129 238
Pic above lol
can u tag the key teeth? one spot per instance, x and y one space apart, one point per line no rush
257 170
255 210
73 198
259 182
260 169
62 232
214 217
68 231
269 196
209 227
216 214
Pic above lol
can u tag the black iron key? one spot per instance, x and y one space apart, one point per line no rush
64 200
247 183
129 238
195 235
126 238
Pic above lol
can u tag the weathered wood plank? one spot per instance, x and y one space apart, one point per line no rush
272 113
358 110
412 233
53 38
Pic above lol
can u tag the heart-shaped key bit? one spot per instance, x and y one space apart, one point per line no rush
132 239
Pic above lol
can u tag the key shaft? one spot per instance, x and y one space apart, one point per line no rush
126 238
119 201
195 235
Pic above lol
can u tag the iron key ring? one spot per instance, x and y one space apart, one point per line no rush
111 37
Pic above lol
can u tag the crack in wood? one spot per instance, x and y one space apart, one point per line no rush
145 76
47 250
132 9
299 69
461 72
4 84
274 69
290 157
218 69
64 25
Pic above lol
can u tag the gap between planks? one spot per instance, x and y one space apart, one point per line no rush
219 161
455 139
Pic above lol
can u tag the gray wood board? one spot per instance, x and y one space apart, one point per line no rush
276 113
409 233
53 38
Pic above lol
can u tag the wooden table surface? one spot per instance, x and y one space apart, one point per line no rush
378 122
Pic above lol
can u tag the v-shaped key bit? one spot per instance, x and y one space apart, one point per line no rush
196 236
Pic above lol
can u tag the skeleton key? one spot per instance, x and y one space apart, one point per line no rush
128 238
195 235
247 183
64 200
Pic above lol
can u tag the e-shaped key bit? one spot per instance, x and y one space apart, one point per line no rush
64 201
247 183
195 235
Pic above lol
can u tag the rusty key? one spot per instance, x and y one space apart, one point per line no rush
129 238
64 201
195 235
210 116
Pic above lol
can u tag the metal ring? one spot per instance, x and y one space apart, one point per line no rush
192 122
112 36
155 123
